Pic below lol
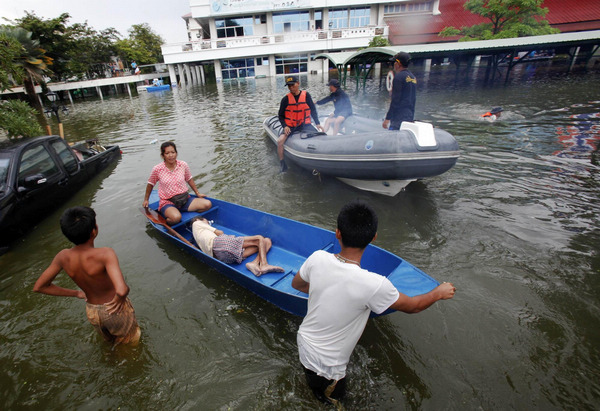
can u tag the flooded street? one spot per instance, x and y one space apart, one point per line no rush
514 225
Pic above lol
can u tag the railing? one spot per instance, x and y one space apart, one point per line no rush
296 37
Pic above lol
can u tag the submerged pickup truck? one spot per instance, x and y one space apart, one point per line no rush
39 174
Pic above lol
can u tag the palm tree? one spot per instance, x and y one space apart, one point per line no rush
32 60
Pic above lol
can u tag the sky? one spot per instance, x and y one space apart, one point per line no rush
163 16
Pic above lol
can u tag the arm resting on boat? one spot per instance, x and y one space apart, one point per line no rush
299 284
418 303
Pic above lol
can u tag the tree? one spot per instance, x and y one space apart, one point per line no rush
52 36
507 19
10 50
379 41
90 50
142 45
31 60
16 117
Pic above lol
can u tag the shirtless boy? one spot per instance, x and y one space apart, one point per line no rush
97 273
232 249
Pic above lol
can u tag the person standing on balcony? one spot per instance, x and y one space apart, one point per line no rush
295 111
404 94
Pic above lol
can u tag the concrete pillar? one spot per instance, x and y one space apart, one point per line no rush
194 74
188 75
172 75
272 65
218 74
128 89
99 91
70 97
427 64
325 67
202 74
197 71
181 75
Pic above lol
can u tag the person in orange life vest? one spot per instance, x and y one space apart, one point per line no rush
295 111
493 115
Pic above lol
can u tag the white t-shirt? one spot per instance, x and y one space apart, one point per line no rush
340 300
204 234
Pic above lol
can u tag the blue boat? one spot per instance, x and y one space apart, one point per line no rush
293 242
164 87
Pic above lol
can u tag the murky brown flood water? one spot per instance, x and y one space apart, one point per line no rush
514 225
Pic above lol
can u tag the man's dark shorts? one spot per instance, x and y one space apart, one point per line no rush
327 391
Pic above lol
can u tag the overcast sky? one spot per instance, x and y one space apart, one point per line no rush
164 16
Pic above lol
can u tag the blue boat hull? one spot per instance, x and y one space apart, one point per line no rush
164 87
293 242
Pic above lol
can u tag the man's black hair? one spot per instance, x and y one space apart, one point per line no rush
357 223
77 224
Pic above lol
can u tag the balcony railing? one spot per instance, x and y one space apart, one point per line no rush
296 37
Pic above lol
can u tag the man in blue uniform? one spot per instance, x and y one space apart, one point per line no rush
342 104
404 94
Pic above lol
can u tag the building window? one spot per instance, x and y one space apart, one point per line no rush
262 61
354 17
260 19
318 20
416 7
238 27
291 64
291 21
237 68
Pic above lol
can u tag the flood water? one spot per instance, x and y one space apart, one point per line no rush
514 225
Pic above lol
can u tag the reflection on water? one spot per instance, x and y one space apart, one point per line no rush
514 225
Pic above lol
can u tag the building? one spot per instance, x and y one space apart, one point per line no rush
565 15
256 38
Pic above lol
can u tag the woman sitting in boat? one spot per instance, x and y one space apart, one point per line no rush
342 104
173 174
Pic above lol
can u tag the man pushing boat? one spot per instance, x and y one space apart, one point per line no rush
295 111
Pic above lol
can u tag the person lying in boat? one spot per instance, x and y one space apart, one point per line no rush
172 176
493 115
97 273
232 249
342 104
295 111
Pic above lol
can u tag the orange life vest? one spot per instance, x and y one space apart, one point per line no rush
297 113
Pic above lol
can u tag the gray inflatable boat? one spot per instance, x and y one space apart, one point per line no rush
369 157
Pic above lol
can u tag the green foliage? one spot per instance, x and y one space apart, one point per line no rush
507 19
379 41
89 50
17 118
143 45
51 36
10 50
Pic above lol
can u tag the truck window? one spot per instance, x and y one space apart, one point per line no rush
36 160
4 163
66 156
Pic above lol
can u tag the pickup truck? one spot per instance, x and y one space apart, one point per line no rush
39 174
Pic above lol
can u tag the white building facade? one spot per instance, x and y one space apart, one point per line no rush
264 38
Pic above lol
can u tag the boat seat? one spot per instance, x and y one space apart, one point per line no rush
423 133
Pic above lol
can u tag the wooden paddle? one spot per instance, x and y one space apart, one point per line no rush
156 218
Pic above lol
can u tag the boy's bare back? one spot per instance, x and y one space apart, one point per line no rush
89 268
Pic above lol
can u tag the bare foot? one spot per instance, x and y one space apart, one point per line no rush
268 268
253 267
